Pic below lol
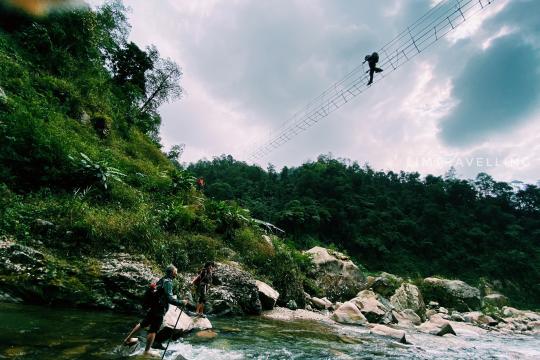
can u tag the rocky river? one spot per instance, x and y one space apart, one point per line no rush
37 332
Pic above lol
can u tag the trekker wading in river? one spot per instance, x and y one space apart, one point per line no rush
156 303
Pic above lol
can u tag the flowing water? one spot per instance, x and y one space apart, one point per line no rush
35 332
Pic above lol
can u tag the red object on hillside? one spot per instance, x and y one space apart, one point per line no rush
200 182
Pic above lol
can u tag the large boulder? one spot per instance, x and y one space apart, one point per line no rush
408 296
454 294
349 313
267 295
34 276
125 278
336 276
234 291
386 284
406 318
375 308
177 323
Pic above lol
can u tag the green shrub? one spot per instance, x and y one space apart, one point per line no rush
254 250
96 172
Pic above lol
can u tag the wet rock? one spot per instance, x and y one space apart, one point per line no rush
408 296
373 307
349 313
436 325
177 323
443 310
335 274
496 300
384 330
267 295
206 335
284 314
433 305
454 294
233 292
386 284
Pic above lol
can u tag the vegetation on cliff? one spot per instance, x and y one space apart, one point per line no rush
82 173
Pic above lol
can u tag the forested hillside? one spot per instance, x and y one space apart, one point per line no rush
82 173
397 222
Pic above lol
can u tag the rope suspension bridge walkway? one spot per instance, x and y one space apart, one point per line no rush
440 20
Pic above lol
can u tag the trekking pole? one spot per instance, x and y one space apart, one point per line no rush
172 332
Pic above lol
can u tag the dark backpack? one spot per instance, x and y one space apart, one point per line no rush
152 295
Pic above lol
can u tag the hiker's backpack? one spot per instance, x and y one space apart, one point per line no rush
152 296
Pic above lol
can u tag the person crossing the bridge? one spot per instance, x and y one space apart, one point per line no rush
372 60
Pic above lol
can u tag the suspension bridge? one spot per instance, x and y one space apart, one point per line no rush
440 20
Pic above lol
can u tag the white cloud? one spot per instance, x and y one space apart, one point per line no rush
249 65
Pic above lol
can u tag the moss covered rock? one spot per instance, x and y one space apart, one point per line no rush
453 294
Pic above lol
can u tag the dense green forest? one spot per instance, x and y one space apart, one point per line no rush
398 222
82 173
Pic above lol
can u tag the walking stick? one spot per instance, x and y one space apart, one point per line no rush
172 332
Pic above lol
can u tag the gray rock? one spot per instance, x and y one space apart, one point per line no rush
436 325
476 317
349 313
125 278
371 306
407 318
335 274
443 310
383 330
386 284
454 294
234 292
456 316
321 304
496 300
267 295
408 296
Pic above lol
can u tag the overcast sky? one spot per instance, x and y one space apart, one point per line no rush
472 100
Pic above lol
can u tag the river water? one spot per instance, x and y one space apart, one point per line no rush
35 332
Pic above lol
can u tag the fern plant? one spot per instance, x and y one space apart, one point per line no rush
98 172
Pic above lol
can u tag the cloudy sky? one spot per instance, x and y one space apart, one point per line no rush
471 101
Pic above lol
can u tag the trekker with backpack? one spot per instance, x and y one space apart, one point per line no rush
156 302
202 282
372 60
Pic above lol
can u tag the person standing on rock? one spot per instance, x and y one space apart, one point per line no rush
202 282
156 310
